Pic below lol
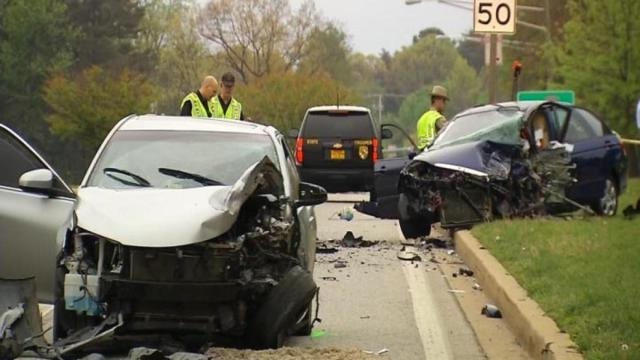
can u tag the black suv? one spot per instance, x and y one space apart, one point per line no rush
337 147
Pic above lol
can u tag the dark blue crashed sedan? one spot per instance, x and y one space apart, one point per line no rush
506 160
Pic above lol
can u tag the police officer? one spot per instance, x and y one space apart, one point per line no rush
432 121
225 106
198 103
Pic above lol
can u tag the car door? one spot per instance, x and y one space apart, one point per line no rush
592 142
306 214
32 224
397 152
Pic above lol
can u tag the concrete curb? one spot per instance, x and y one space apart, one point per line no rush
537 333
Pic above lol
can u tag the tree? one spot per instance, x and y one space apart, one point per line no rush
106 33
88 106
428 61
34 39
259 37
601 64
281 100
328 52
472 51
170 28
430 31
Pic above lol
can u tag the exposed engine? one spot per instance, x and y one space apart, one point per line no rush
511 184
209 287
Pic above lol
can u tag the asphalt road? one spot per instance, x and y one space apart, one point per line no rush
380 302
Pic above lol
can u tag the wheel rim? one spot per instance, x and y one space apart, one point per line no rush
609 201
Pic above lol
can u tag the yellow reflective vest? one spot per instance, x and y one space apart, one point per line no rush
234 110
197 108
427 128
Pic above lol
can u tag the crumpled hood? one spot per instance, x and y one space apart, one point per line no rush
170 217
482 156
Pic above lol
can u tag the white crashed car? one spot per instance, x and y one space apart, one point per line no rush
180 224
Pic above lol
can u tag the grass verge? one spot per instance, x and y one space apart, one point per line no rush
584 273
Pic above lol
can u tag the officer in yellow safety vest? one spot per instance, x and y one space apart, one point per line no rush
225 106
198 103
432 121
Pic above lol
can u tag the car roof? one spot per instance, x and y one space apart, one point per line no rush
184 123
520 105
341 107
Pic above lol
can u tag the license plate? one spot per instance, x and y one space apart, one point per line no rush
337 155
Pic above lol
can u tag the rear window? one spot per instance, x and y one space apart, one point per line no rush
351 125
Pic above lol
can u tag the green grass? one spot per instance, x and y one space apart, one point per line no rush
585 274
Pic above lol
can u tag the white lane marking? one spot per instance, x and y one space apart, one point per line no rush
434 342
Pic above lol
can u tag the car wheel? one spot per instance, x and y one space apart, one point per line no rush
608 204
283 306
412 226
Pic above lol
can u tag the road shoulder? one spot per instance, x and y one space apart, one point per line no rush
536 332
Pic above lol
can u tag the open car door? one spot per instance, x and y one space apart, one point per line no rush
36 209
398 150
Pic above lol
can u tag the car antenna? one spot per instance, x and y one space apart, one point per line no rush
338 97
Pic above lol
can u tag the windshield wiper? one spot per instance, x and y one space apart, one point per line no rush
140 181
186 175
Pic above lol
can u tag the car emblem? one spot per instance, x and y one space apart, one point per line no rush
337 146
363 152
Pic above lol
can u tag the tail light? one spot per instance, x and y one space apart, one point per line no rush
299 153
375 143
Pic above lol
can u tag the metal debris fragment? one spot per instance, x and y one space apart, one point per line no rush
408 256
491 311
465 271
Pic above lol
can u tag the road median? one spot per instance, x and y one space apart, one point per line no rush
535 331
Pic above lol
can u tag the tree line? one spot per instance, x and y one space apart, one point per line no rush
70 69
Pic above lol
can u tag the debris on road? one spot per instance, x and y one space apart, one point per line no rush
477 286
345 214
379 352
408 256
329 278
325 249
465 271
340 264
450 252
142 353
491 311
455 291
351 241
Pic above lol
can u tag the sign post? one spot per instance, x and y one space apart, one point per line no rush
494 17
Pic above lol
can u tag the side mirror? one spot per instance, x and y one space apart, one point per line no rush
386 134
311 194
293 134
37 181
412 154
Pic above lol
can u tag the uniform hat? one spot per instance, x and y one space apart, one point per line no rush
439 91
228 79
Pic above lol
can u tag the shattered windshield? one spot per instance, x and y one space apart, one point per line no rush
499 125
178 159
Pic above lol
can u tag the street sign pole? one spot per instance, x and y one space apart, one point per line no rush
494 17
493 76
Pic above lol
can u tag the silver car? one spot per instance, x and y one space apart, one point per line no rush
179 225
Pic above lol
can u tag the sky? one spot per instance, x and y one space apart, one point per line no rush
373 25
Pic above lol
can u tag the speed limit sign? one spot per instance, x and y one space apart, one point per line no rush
494 16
